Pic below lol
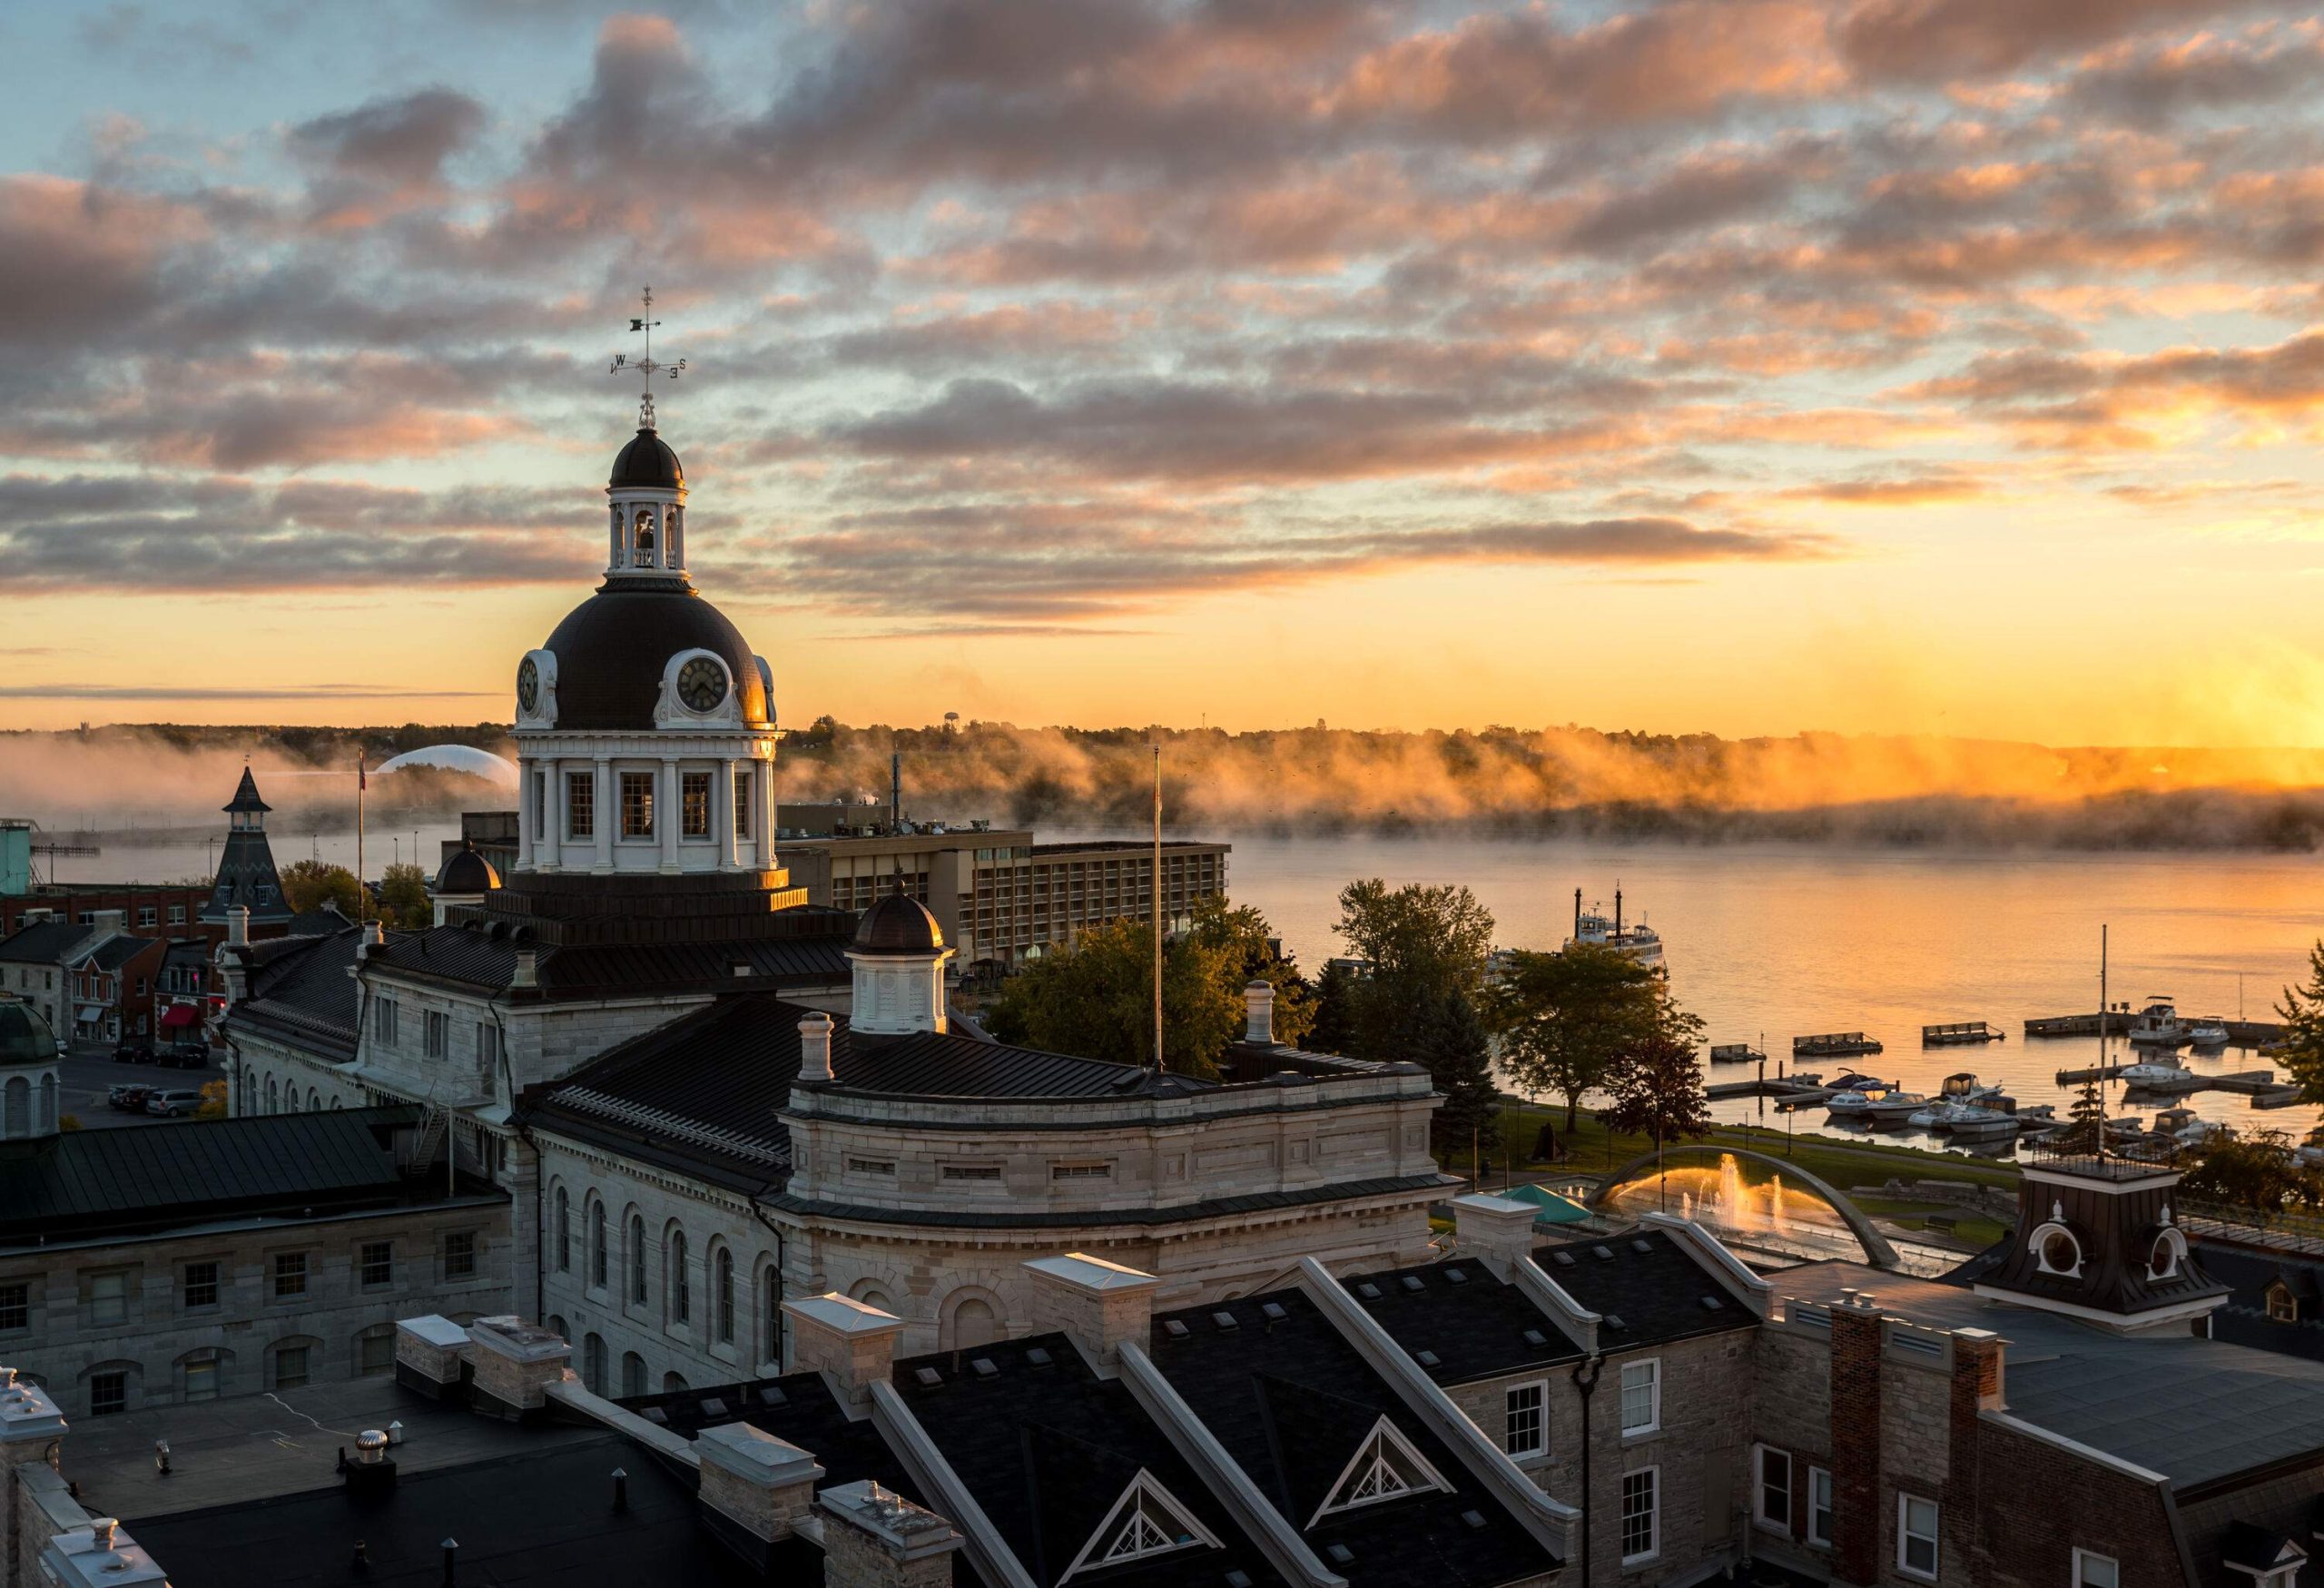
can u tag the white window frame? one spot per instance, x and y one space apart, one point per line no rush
2081 1580
1905 1536
1761 1455
1653 1474
1382 1436
1147 1486
1653 1424
1538 1389
1820 1535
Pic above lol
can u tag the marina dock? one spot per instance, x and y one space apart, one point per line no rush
1735 1053
1789 1093
2260 1085
1834 1045
2240 1033
1961 1032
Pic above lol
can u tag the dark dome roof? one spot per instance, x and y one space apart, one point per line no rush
647 461
25 1036
467 873
898 924
611 651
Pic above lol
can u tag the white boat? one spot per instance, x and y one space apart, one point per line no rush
1893 1108
1855 1093
1975 1124
1640 943
2154 1075
2310 1152
1964 1088
2206 1033
2158 1025
2203 1132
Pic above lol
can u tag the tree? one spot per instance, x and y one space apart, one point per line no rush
2302 1009
1333 1031
403 897
306 883
1250 945
1096 999
213 1100
2257 1172
2086 1126
1451 1040
1565 1018
1658 1092
1420 943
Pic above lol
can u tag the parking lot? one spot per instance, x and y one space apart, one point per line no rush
86 1074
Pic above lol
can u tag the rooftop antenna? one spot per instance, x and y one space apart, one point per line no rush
645 364
2103 1007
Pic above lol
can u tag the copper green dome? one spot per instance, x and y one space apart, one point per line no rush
25 1036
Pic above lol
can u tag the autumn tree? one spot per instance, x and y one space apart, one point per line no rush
1656 1091
1250 945
403 897
307 884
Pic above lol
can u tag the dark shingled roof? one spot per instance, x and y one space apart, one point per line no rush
246 795
1292 1401
113 952
1658 1292
472 956
611 651
43 942
299 989
1475 1325
1048 1449
92 1182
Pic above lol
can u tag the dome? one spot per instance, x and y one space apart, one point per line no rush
898 924
611 651
465 758
647 460
467 873
25 1036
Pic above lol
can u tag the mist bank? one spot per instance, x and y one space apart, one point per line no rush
1563 782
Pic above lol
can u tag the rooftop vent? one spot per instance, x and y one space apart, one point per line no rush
1536 1338
1238 1578
1340 1553
1614 1321
1712 1304
1369 1291
1473 1518
928 1377
712 1407
1425 1358
770 1395
1175 1327
1273 1311
1411 1282
1456 1276
985 1367
1037 1356
1563 1259
657 1415
1604 1254
1641 1244
1224 1320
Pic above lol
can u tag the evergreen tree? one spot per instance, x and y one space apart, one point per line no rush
2302 1009
1333 1031
1449 1038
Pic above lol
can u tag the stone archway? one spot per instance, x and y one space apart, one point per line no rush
1876 1249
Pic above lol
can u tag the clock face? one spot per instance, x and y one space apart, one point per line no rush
702 684
528 684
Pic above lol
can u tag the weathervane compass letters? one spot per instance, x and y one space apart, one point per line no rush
646 366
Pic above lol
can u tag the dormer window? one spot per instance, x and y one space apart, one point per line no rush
2168 1251
2056 1251
2283 1307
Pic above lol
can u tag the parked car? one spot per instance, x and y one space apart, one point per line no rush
129 1099
170 1104
187 1055
134 1051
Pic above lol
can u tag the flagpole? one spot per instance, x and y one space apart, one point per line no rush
1157 907
362 894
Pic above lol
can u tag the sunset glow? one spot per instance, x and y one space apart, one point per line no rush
1932 367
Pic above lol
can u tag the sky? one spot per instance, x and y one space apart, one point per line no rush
1730 366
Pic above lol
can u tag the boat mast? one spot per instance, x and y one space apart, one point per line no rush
2102 1041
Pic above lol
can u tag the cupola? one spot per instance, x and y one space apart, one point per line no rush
2096 1240
28 1079
899 956
464 878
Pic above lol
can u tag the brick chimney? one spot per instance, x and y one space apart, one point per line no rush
30 1427
852 1346
754 1487
1976 1386
1258 1012
1098 1304
1855 1438
430 1355
875 1538
815 1047
1498 1231
515 1365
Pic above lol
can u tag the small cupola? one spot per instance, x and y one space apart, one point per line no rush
899 956
28 1073
464 879
646 490
2096 1240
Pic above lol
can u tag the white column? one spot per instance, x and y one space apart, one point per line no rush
666 815
763 814
525 815
602 825
547 845
722 814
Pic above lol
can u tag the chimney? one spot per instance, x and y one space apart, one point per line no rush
1098 1305
875 1538
1976 1386
755 1488
527 971
852 1346
109 923
515 1365
238 926
1856 1437
1258 1012
815 1048
1498 1231
375 936
429 1354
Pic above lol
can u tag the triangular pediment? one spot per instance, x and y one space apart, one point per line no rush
1384 1467
1146 1521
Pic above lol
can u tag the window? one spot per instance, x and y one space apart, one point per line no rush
2095 1570
972 1171
108 1392
681 1283
1384 1467
1081 1171
1917 1537
638 804
201 1377
1819 1505
743 805
873 1166
773 1284
2282 1306
564 1232
593 1362
1641 1514
693 804
109 1298
289 1366
1525 1419
1772 1504
383 1023
487 1048
289 1275
1641 1396
459 1255
632 1374
148 915
635 1257
725 1297
16 1307
375 1351
438 1033
580 805
177 915
597 1246
201 1285
1147 1520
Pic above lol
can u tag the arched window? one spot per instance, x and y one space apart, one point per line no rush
274 1098
2056 1248
636 1260
593 1364
564 1233
725 1297
870 1295
632 1374
314 1100
596 1242
47 1103
645 540
974 1321
19 1107
672 1381
771 1301
2168 1252
557 1325
681 1282
291 1100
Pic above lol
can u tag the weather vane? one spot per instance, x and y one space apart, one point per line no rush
646 366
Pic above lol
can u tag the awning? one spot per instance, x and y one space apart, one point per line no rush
179 1015
1555 1210
90 1014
